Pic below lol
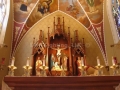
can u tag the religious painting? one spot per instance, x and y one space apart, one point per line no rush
22 8
94 9
73 8
43 8
116 14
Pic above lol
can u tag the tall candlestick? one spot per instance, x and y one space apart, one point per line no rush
13 60
43 62
98 61
82 61
113 61
27 64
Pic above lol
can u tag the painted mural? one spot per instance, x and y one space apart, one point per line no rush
22 9
43 8
94 9
88 12
27 13
73 8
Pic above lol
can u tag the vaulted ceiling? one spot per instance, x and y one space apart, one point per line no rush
89 13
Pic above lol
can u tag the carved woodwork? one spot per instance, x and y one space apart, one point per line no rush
78 51
63 83
38 51
58 46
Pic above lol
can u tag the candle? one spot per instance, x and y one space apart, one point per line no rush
98 61
27 64
82 62
113 61
43 62
13 60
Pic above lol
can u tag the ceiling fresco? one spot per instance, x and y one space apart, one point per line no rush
27 13
73 8
88 13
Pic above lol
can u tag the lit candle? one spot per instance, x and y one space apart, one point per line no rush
98 61
113 61
13 60
43 62
82 61
27 64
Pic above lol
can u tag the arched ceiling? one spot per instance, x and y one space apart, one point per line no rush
89 13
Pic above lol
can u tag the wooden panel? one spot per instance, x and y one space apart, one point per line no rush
63 83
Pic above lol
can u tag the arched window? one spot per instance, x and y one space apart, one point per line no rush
113 11
4 14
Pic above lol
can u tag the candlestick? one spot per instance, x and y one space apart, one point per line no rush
113 61
13 60
27 64
12 67
98 61
82 62
43 62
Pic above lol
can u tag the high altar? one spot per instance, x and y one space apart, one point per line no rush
58 52
59 63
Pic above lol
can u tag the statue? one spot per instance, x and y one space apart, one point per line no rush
91 71
56 67
59 54
79 64
52 62
58 50
38 64
64 63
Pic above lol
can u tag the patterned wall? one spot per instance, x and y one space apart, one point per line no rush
89 13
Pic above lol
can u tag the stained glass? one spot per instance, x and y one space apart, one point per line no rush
116 14
4 9
2 13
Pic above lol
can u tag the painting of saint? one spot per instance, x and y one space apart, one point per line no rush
43 8
73 8
94 9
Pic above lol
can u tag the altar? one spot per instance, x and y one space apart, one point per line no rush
59 63
63 83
